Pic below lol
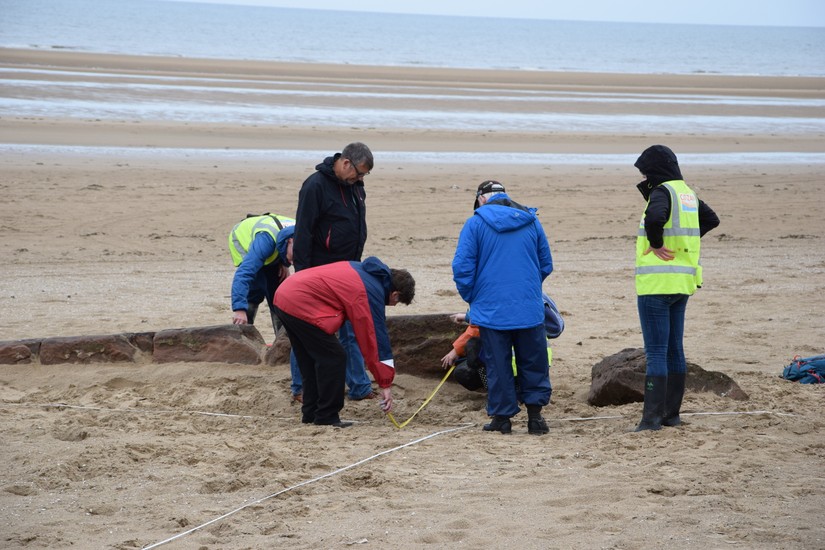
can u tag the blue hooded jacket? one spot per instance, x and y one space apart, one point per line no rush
500 262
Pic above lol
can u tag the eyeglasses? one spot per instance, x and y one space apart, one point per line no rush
358 174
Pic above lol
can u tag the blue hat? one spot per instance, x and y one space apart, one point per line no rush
280 243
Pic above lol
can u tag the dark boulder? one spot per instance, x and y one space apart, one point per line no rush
619 379
420 341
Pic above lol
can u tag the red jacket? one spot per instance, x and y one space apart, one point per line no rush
327 295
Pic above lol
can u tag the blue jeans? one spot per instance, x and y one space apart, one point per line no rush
662 317
297 385
358 381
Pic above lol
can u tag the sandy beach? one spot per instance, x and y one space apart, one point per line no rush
114 225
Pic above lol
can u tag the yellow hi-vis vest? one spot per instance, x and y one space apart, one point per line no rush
683 274
549 359
241 236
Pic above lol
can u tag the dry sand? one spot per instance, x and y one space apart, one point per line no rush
93 244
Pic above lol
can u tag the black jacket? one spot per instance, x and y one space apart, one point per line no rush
658 163
330 223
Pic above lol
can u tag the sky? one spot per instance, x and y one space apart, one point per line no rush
712 12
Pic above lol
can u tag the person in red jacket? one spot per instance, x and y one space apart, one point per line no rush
312 305
331 226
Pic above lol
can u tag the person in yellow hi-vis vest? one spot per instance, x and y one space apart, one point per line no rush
668 272
260 267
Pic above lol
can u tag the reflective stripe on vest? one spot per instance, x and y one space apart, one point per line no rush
241 236
683 274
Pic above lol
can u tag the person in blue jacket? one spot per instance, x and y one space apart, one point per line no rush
258 248
259 267
500 262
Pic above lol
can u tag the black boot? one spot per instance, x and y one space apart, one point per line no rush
673 399
499 424
536 425
654 408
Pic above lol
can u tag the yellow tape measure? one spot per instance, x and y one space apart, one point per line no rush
424 404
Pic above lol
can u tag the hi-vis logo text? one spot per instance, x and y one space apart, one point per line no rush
689 203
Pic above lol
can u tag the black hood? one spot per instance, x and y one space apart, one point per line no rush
328 169
328 166
659 164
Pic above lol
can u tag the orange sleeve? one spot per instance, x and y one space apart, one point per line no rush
461 342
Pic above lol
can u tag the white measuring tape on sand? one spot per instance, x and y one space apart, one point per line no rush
127 410
307 482
345 468
388 451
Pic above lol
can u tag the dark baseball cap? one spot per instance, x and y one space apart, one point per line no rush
489 186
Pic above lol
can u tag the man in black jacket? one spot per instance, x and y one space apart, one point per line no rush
331 221
331 226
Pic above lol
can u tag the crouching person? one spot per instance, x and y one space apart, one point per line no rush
312 305
470 370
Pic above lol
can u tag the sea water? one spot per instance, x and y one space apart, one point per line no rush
152 27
